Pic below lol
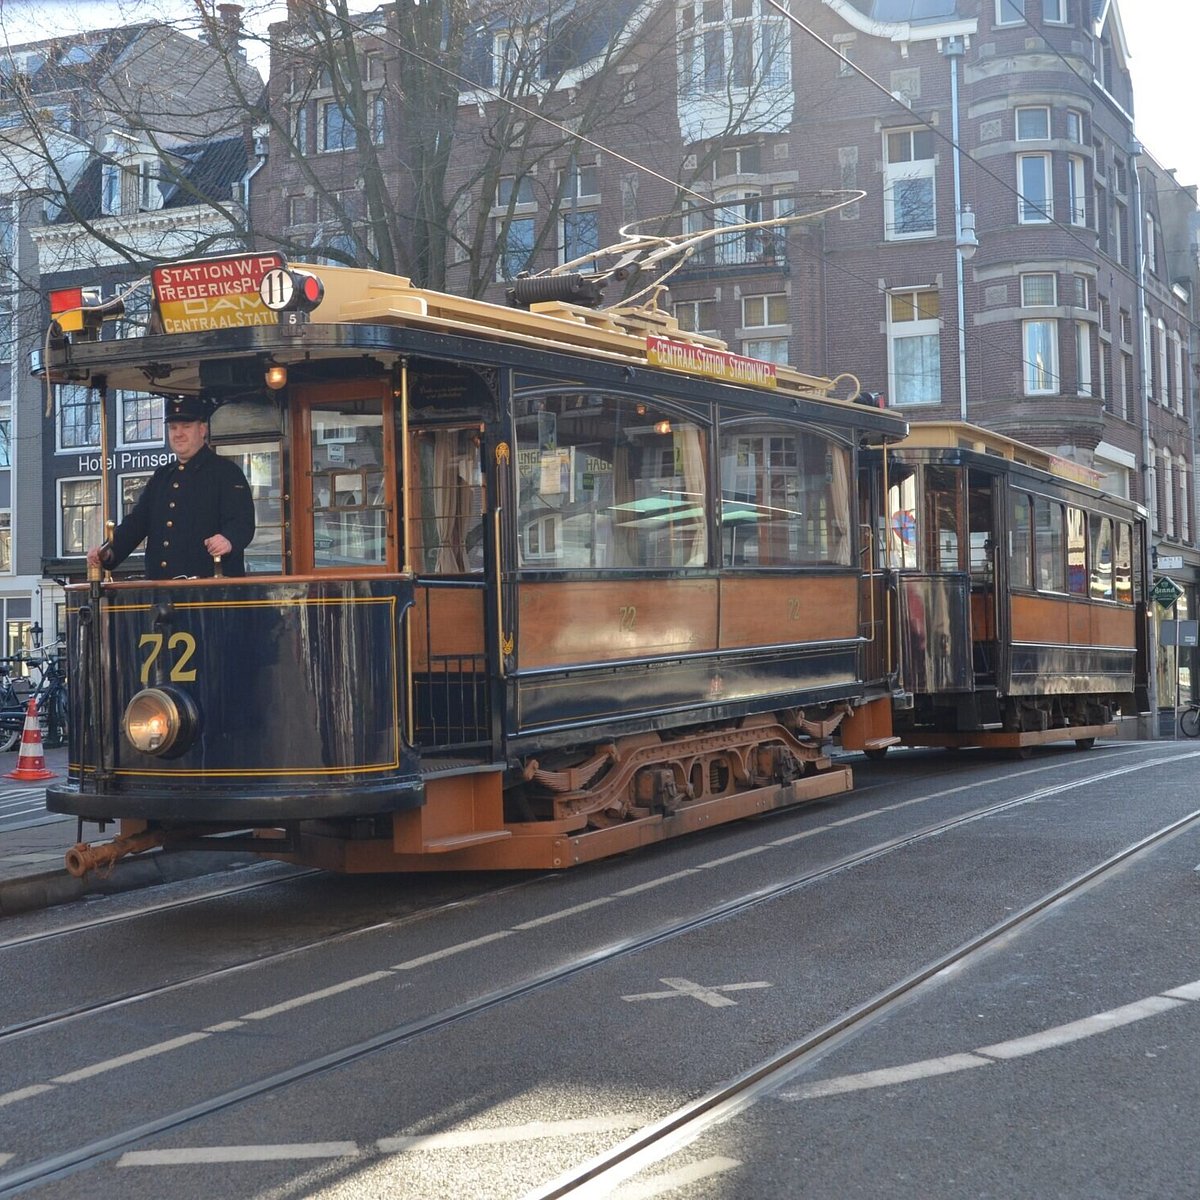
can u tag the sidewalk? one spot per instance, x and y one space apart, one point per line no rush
33 844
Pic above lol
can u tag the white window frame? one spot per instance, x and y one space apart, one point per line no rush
772 350
1075 126
1083 358
60 408
1164 391
1040 371
1152 485
926 329
1177 372
1151 244
1028 300
1043 133
697 310
758 310
1031 211
1076 190
6 541
1054 12
123 397
1168 493
95 534
920 173
1009 12
1185 511
744 48
348 129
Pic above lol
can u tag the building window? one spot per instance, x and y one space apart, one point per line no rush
110 189
1168 493
1151 244
300 130
696 316
514 247
79 515
909 206
1039 290
1185 512
1075 126
6 563
78 418
1010 12
1120 242
1160 344
1033 124
773 350
914 347
1076 190
732 43
141 418
1040 350
1054 11
1035 203
130 487
515 190
376 118
1177 380
1083 358
765 310
5 434
337 128
579 218
1151 497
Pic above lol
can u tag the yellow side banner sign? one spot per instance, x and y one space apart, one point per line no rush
214 293
713 364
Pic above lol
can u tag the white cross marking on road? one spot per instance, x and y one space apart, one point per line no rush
706 995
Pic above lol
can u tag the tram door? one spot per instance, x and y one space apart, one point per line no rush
984 539
448 549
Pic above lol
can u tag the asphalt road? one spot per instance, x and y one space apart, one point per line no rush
479 1036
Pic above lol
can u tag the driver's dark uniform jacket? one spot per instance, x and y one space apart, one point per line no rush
180 506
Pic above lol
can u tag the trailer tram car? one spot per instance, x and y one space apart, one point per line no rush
530 586
1016 589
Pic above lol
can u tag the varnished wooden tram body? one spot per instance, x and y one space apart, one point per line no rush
537 600
1017 593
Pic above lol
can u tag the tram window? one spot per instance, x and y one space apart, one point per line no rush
1077 581
903 532
1050 546
348 491
609 482
446 538
260 463
1123 564
943 519
1101 538
1020 542
785 497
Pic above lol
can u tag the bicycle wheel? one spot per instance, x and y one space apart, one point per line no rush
9 738
1189 721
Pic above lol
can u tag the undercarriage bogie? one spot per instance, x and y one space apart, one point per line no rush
639 776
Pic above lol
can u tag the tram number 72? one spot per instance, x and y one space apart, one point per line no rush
182 645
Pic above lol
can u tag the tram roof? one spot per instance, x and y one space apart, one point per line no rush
961 435
212 322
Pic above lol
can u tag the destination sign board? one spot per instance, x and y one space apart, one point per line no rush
713 364
214 293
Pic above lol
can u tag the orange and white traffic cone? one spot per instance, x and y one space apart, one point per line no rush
31 762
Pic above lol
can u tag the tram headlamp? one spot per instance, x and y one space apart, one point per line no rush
160 721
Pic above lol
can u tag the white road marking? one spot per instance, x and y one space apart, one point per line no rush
638 888
464 1138
123 1060
1075 1031
6 1158
999 1052
537 922
347 985
230 1154
698 991
461 948
25 1093
670 1181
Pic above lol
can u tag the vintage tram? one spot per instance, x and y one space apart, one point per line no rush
530 585
1017 592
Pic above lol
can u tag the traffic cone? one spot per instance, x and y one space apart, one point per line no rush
31 762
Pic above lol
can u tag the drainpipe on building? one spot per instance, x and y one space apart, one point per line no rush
1139 257
964 230
260 153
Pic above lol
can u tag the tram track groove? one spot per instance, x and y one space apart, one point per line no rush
602 1174
71 1161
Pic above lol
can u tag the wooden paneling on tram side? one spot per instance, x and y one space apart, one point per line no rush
1064 621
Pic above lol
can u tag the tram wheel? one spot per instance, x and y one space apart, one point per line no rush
876 753
1084 743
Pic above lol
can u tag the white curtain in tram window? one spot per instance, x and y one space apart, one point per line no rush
839 512
690 448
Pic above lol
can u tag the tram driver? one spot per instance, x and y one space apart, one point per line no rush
192 513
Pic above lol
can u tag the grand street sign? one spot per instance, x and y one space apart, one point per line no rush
1165 592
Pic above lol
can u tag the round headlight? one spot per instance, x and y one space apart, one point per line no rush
158 720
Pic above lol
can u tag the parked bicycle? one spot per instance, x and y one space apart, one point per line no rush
49 694
1189 719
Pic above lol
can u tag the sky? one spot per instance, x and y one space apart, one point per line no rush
1163 37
